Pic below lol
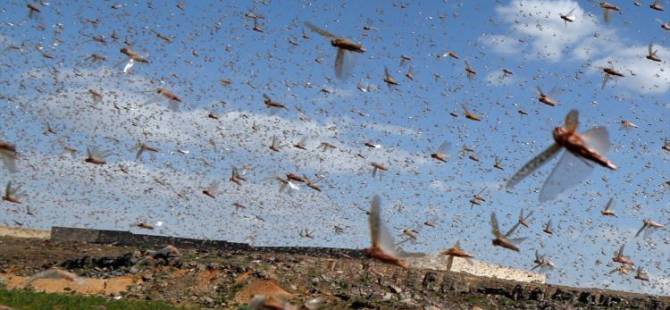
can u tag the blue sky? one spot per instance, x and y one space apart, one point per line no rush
409 121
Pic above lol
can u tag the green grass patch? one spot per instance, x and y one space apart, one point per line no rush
476 300
29 300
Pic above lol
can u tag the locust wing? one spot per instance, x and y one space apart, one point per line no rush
320 30
380 236
533 165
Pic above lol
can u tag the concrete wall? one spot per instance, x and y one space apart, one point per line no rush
477 268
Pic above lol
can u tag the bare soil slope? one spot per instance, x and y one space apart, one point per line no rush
227 278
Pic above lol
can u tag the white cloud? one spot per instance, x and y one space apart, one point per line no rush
602 42
642 75
129 114
540 22
381 128
549 37
498 78
501 43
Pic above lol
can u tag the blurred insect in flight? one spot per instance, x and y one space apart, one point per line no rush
648 226
583 150
8 155
568 18
608 209
545 98
11 193
378 167
469 71
133 57
656 6
143 147
542 262
93 156
607 7
651 54
388 79
503 240
620 258
442 152
456 251
343 46
211 190
608 73
383 247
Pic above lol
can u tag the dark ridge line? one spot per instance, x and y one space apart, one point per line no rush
127 238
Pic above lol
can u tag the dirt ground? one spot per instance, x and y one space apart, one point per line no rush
230 278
